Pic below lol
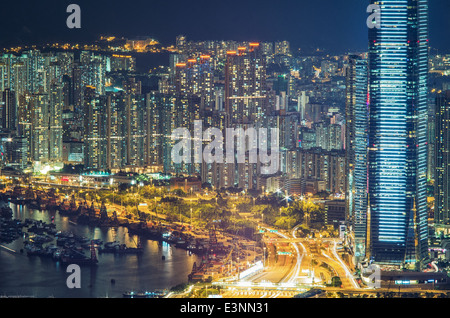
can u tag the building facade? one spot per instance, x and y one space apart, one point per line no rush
397 134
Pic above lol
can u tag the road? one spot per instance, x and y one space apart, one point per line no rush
294 265
279 263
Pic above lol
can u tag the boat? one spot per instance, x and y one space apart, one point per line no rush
61 241
117 248
112 244
97 241
57 254
181 243
40 238
18 195
72 256
64 207
33 250
78 260
52 204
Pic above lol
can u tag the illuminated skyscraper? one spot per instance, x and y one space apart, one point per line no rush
245 85
93 68
165 113
246 105
158 130
442 160
55 122
195 77
136 134
40 124
357 113
350 100
282 48
116 132
95 130
8 110
123 63
397 145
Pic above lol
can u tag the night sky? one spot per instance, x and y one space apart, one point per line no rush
336 25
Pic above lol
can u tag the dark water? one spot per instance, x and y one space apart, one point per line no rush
42 277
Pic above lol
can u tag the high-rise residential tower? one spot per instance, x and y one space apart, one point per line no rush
246 105
8 110
245 85
95 130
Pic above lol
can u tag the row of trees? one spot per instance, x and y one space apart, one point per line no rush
202 213
270 210
305 212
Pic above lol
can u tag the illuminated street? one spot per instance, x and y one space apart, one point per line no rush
292 266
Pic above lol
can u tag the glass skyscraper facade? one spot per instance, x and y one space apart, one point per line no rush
442 159
357 113
397 134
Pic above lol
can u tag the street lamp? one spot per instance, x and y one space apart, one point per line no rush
264 260
239 268
287 199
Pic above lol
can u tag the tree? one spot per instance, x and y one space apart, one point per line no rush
243 204
285 222
124 187
260 210
179 192
322 194
206 185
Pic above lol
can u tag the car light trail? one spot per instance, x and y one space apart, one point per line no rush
349 275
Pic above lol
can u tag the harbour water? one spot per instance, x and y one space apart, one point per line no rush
34 276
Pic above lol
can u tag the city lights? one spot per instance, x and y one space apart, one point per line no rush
277 158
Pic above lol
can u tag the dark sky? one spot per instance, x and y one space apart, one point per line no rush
337 25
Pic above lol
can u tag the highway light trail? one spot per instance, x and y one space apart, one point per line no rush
293 276
347 271
299 256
